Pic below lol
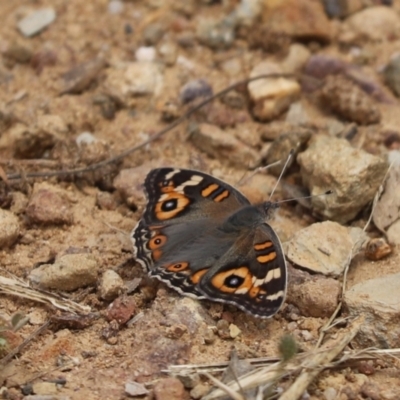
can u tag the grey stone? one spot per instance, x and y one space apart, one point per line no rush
353 176
35 22
325 247
69 272
135 389
379 301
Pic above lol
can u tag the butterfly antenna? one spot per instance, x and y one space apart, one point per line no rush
243 180
282 172
327 193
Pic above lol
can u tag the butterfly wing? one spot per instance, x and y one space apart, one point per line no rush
181 203
176 195
253 277
178 241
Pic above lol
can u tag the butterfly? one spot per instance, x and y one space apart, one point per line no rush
204 239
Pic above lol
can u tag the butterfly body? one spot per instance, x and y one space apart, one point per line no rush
204 239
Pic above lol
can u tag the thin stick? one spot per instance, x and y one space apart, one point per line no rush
232 393
15 351
158 135
282 172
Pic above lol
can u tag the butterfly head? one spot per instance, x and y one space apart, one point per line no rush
269 208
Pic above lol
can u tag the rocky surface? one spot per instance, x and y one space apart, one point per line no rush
85 81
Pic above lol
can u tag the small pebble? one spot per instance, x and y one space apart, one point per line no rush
52 125
271 96
348 100
85 137
115 7
145 54
36 21
199 391
377 248
49 205
215 34
153 33
133 79
307 335
169 389
135 389
168 52
111 285
330 393
80 77
234 331
9 228
189 379
121 310
195 89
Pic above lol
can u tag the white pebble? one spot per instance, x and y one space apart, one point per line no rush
330 393
115 7
36 21
85 137
145 53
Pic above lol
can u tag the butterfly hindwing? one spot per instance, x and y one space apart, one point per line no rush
254 282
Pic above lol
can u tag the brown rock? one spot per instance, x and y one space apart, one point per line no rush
271 96
348 100
111 285
377 248
169 389
301 19
78 78
49 205
121 310
9 228
317 297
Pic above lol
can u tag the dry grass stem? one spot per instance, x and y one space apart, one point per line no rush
19 288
